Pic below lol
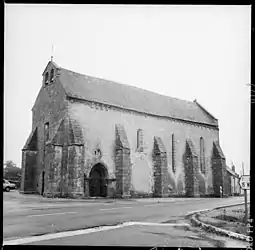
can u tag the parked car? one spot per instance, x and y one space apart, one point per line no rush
7 186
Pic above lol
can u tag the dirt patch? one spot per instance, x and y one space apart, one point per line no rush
227 218
231 219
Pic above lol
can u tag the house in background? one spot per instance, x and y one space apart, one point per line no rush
233 178
94 137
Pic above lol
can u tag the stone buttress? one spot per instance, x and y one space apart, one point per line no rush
64 161
29 164
159 156
191 170
122 162
219 170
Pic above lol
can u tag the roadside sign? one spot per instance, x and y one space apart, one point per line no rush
245 185
245 182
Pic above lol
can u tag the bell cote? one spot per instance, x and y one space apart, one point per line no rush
50 73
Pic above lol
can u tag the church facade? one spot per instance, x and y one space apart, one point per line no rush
92 137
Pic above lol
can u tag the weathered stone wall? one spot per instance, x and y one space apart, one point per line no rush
122 163
98 129
191 171
29 161
75 174
219 174
160 168
50 106
53 160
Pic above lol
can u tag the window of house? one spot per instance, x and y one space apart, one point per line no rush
51 75
173 154
46 79
46 131
140 140
202 155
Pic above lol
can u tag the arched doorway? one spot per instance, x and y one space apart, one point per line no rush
97 181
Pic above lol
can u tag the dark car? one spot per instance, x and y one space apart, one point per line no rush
7 186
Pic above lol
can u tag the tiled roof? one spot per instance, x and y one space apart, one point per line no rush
132 98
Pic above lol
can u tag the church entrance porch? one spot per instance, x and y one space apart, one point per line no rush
98 181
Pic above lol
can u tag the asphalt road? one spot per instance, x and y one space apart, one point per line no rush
32 218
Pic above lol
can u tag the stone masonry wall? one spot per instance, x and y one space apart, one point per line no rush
75 173
191 170
50 106
98 128
29 161
122 163
54 156
219 171
160 169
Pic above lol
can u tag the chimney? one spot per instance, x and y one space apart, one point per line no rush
233 168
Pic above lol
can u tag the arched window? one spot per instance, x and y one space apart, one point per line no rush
140 140
51 75
173 154
46 79
202 155
46 131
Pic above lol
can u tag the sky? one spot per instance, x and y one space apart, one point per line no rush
187 52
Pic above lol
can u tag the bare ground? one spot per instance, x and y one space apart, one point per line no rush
231 219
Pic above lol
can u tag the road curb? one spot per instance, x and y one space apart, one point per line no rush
217 230
53 236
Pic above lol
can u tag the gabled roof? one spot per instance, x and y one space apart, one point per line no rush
53 63
132 98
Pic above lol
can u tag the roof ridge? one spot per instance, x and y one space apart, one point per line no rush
126 85
129 97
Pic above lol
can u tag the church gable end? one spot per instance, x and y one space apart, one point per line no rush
50 104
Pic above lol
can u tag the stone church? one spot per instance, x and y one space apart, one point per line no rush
96 138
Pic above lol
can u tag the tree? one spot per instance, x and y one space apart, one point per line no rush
11 171
9 164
